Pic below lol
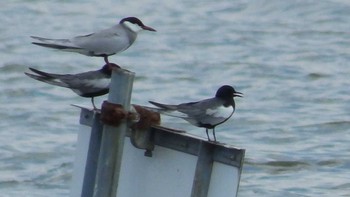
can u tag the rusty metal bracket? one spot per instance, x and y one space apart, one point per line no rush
140 120
113 114
141 134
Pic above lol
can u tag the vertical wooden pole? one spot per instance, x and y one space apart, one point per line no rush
108 168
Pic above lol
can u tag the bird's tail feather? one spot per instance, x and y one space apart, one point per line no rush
49 40
155 109
163 106
47 79
57 46
44 74
62 44
169 110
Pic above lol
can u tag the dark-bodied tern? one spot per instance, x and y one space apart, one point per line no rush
87 84
206 113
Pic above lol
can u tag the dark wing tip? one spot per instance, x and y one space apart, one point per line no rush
36 77
162 106
153 103
156 104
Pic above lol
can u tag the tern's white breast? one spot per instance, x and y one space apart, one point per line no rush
98 83
220 112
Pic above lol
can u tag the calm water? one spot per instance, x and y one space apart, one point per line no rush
289 58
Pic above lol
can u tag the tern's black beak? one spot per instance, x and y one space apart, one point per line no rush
237 94
148 28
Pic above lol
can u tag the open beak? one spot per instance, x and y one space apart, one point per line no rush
148 28
238 94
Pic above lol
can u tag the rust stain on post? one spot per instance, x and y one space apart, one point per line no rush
147 118
141 135
112 114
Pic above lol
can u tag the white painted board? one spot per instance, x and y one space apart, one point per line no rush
224 180
167 173
81 150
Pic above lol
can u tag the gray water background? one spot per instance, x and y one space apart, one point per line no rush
289 58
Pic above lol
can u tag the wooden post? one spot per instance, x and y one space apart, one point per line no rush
109 162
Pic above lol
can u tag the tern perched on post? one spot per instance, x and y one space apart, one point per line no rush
87 84
206 113
103 43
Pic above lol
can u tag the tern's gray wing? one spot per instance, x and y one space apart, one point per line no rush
198 108
209 112
106 42
87 82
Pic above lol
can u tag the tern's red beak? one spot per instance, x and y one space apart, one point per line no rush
148 28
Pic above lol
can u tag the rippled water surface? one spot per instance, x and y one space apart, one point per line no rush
289 58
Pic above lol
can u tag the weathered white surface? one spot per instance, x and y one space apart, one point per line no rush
224 181
168 173
82 148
